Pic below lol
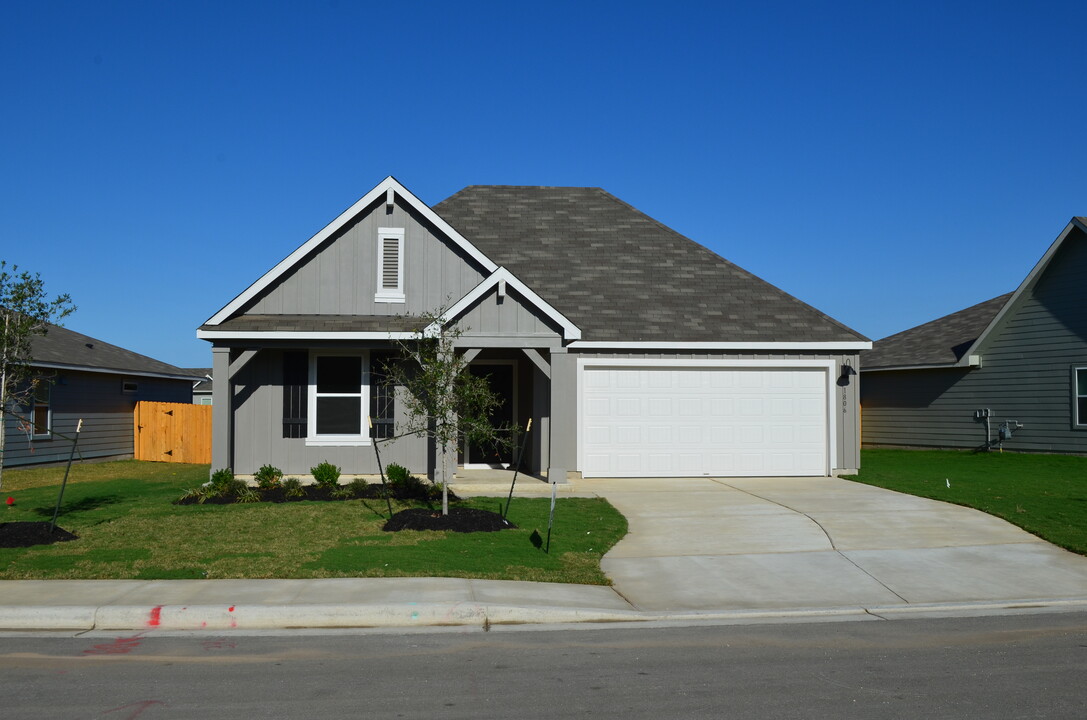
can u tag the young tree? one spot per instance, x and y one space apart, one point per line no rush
25 312
441 401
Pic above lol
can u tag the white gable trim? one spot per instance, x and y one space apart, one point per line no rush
669 345
1014 299
388 184
503 277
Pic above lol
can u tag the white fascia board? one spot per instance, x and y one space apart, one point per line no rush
389 183
665 345
946 366
1031 278
272 335
113 371
570 331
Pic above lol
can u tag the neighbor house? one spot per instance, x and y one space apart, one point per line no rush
202 389
966 379
634 350
85 378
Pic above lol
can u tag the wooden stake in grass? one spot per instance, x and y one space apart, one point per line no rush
71 455
551 517
380 469
517 467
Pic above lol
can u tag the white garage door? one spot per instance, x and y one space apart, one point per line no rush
682 422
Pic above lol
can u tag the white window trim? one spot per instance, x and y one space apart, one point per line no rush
363 438
383 294
1078 423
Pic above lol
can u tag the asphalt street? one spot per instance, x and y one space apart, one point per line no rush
981 667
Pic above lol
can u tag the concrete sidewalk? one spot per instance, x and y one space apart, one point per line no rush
698 550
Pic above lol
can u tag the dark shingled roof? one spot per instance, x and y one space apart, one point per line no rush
205 385
320 323
941 342
61 346
620 275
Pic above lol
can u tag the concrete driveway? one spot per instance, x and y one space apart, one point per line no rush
775 543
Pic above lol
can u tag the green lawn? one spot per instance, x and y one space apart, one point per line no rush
128 528
1043 494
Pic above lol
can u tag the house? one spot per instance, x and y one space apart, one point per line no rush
1018 359
202 389
88 379
634 350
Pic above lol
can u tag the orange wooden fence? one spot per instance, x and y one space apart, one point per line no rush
172 432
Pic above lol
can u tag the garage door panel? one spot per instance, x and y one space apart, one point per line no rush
704 421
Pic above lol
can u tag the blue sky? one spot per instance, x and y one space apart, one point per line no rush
888 163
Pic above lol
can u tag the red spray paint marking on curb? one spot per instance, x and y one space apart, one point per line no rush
156 616
230 609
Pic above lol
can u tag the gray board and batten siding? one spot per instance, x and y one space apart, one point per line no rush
106 410
1025 374
340 277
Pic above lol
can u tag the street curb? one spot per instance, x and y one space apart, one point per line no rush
144 618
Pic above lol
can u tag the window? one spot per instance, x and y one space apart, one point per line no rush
338 400
382 397
390 265
130 386
1079 396
41 417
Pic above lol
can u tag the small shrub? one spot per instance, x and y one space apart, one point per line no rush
395 473
358 487
326 475
221 479
268 477
292 487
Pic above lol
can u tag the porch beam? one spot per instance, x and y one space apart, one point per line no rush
538 360
241 361
470 354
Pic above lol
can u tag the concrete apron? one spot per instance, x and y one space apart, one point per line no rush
712 545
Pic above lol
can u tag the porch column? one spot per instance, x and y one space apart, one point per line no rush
222 410
563 428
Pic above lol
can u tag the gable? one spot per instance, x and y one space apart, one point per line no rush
328 282
341 275
1050 308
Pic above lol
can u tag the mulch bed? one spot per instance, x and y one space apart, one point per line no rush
318 494
25 534
465 520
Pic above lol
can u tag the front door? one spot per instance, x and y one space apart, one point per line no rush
500 376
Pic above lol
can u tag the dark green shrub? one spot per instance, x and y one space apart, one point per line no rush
292 487
395 473
268 477
358 487
326 475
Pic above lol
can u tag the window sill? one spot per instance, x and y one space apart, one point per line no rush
389 298
341 442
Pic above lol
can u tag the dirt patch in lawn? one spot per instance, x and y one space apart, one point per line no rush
26 534
459 519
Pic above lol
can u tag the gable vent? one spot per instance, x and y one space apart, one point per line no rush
390 263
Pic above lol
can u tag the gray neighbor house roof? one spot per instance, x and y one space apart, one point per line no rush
64 348
938 343
618 274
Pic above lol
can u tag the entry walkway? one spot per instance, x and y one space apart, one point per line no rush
773 543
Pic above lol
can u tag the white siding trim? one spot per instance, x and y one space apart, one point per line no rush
502 275
389 183
667 345
830 366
